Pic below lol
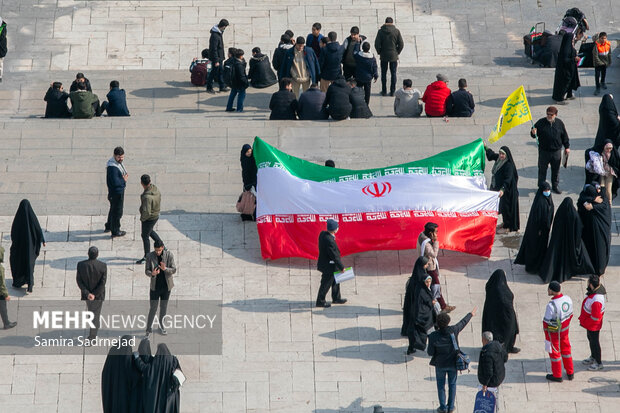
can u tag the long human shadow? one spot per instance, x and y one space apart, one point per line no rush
356 406
380 352
274 305
363 334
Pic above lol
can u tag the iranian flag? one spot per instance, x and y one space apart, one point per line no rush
377 209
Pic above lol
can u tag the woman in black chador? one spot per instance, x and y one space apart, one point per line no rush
249 171
160 389
26 240
608 123
595 213
499 315
420 308
566 75
505 179
566 255
534 243
418 273
120 380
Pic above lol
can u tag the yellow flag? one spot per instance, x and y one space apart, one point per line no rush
515 111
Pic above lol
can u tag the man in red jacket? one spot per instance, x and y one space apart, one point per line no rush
558 314
435 97
591 319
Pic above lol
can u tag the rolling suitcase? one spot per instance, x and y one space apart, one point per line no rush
534 37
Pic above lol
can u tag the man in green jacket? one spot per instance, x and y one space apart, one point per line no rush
84 104
389 43
150 202
4 296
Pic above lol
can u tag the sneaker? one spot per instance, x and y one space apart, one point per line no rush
224 89
604 85
449 308
588 362
383 93
597 91
556 190
551 377
570 376
595 367
120 234
10 325
163 331
141 260
324 305
340 301
211 91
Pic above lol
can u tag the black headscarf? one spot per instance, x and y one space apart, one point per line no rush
119 380
506 177
566 255
499 315
534 243
249 171
160 390
422 316
144 350
608 123
419 272
26 240
566 74
596 234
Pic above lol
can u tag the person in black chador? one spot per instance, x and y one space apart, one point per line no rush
499 315
534 243
566 75
595 213
418 273
160 389
249 174
26 240
120 379
505 180
566 255
421 311
608 123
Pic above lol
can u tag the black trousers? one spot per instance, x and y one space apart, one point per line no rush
328 281
384 67
157 297
595 345
544 159
95 306
4 313
147 231
366 87
116 212
216 74
348 71
599 75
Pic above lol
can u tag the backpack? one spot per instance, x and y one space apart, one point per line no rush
199 74
227 71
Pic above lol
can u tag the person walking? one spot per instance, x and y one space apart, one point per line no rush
389 43
3 46
329 262
491 369
428 246
601 56
116 180
498 315
150 205
556 322
421 308
552 135
4 296
160 268
91 278
591 318
443 357
26 239
566 78
216 55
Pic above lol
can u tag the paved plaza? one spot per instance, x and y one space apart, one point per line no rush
280 354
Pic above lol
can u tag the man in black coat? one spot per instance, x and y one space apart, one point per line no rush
350 47
389 43
552 135
338 100
328 262
91 279
330 61
460 104
260 74
116 105
216 55
279 52
491 370
239 82
3 45
283 103
80 78
56 99
310 106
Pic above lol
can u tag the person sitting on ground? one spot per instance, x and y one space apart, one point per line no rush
460 104
56 99
84 104
407 101
435 97
80 78
283 103
260 74
205 59
116 105
310 105
360 109
338 100
200 68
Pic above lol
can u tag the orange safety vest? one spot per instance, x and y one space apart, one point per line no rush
603 49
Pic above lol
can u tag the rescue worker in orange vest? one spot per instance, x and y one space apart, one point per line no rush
556 322
591 318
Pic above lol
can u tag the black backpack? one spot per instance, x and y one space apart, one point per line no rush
227 71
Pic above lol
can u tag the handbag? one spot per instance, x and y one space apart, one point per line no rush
246 203
462 359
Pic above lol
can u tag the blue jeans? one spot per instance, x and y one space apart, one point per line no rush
440 374
240 99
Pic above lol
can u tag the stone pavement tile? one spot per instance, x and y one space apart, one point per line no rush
46 390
